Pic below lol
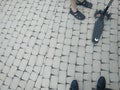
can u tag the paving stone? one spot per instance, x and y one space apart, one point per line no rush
74 49
114 77
10 60
56 62
81 52
62 77
41 36
19 73
5 69
114 86
22 84
59 46
79 76
32 41
105 67
7 51
113 47
51 52
105 57
2 51
4 87
66 50
27 56
67 41
105 47
33 76
97 56
48 62
55 72
70 24
38 82
25 76
12 71
113 66
88 58
79 69
64 59
20 54
71 70
58 52
60 38
14 83
12 41
20 38
106 74
63 66
87 76
28 50
80 61
32 60
8 81
87 84
47 72
1 66
87 68
55 27
43 50
113 38
29 85
72 58
44 28
53 42
26 39
82 42
23 45
89 49
45 83
53 82
106 40
35 50
74 40
29 69
23 65
61 87
40 60
96 66
95 76
68 33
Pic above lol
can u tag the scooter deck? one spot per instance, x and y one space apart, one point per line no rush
98 29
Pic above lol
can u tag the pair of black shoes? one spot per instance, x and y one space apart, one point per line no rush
101 84
78 15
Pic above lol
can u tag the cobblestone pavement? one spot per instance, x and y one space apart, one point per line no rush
42 47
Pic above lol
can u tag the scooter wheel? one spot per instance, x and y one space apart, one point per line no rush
95 40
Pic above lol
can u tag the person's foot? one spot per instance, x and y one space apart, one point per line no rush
77 14
84 3
101 84
74 85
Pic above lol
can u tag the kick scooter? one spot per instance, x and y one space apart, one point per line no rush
99 24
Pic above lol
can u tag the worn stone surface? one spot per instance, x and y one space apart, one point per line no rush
43 47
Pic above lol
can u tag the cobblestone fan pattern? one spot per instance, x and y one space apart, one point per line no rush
43 47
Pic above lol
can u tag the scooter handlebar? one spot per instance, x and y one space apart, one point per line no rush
109 4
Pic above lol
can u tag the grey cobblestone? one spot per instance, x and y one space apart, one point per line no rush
38 82
42 47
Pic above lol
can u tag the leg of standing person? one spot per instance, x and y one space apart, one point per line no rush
75 12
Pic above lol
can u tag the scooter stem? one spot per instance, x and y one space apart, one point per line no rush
109 4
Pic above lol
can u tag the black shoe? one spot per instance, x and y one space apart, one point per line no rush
78 15
101 84
74 85
84 3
